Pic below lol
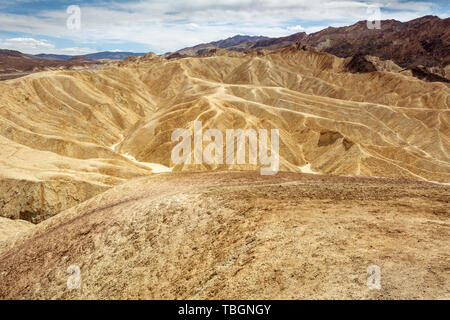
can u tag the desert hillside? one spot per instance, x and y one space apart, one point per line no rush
14 64
235 235
69 135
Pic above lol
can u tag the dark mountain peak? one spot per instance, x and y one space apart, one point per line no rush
359 64
242 37
426 18
230 43
422 41
236 40
11 53
274 43
422 20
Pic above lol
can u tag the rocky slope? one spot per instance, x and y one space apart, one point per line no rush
423 41
11 230
239 235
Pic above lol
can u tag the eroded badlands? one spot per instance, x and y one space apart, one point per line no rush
87 179
69 135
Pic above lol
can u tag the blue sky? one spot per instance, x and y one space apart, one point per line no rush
40 26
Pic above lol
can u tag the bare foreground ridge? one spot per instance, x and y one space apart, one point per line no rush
87 179
229 235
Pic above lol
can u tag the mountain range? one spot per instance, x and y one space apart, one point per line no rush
93 56
423 42
421 45
14 64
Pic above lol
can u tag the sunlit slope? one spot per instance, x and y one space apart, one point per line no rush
78 133
239 235
379 123
57 130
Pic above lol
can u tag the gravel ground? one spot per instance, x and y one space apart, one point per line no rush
239 235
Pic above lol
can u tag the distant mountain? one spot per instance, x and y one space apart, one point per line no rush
423 41
92 56
112 55
234 43
236 40
15 64
53 56
11 53
276 43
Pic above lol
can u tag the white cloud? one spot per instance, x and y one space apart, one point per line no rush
34 46
192 26
296 28
167 25
26 44
72 51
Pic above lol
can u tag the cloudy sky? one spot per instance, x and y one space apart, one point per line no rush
43 26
